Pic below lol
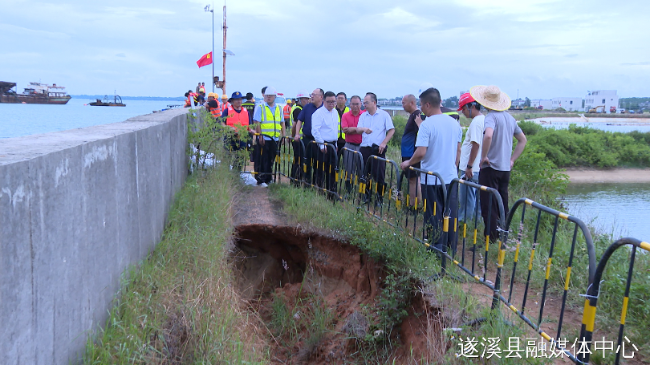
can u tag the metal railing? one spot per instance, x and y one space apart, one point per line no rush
595 289
430 220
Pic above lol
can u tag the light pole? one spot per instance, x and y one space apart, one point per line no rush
208 8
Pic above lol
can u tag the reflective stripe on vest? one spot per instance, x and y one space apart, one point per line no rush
250 108
270 121
453 114
233 118
286 110
291 113
291 121
224 106
341 134
216 112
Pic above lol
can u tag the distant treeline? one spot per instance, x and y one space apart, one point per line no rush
634 103
588 147
154 98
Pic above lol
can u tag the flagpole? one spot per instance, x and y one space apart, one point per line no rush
212 81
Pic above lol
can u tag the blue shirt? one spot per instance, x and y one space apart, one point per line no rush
305 117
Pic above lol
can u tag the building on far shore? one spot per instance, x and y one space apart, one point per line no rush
597 98
518 103
567 103
544 103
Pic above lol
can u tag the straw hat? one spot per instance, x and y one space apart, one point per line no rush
490 97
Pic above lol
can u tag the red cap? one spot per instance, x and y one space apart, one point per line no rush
465 99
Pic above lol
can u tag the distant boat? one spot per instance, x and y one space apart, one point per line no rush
117 101
36 93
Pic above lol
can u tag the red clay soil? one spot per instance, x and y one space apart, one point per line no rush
285 262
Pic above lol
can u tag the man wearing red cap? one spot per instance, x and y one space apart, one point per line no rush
470 157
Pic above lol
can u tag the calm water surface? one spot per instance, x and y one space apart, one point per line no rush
17 120
619 209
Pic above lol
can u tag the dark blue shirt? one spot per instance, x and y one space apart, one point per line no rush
410 134
305 118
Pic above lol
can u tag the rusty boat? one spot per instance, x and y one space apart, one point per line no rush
35 93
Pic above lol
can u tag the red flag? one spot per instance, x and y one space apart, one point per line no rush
205 60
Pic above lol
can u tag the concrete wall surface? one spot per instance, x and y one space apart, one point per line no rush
76 209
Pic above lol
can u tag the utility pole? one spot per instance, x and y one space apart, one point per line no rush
225 29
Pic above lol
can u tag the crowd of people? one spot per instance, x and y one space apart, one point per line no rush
325 123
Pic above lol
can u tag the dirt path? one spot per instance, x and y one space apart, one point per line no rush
252 206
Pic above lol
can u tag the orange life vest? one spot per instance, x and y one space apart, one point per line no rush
287 111
235 118
224 106
216 112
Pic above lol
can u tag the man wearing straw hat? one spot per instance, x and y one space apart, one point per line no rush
497 157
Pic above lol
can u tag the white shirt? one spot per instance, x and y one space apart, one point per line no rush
325 125
379 123
441 134
474 134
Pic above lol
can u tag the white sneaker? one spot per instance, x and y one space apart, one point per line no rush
264 185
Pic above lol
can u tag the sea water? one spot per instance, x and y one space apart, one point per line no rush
17 120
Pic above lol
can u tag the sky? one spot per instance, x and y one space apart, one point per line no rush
530 48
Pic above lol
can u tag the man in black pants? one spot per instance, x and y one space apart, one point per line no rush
302 99
270 125
304 126
377 128
497 157
438 148
325 126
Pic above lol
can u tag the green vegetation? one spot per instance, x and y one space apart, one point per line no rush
535 113
305 319
178 305
406 261
583 146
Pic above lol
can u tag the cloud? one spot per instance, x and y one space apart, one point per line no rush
10 30
635 64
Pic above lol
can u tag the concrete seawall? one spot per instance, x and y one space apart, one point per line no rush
76 209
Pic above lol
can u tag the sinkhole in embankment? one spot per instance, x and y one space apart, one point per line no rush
316 295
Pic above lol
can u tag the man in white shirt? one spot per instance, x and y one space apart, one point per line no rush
470 158
377 129
438 147
324 128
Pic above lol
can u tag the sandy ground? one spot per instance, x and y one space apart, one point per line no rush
582 119
585 176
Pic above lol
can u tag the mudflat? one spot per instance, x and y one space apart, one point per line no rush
617 175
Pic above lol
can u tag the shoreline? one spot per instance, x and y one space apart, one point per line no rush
617 175
600 120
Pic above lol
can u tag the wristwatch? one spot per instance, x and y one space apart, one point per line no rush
469 166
